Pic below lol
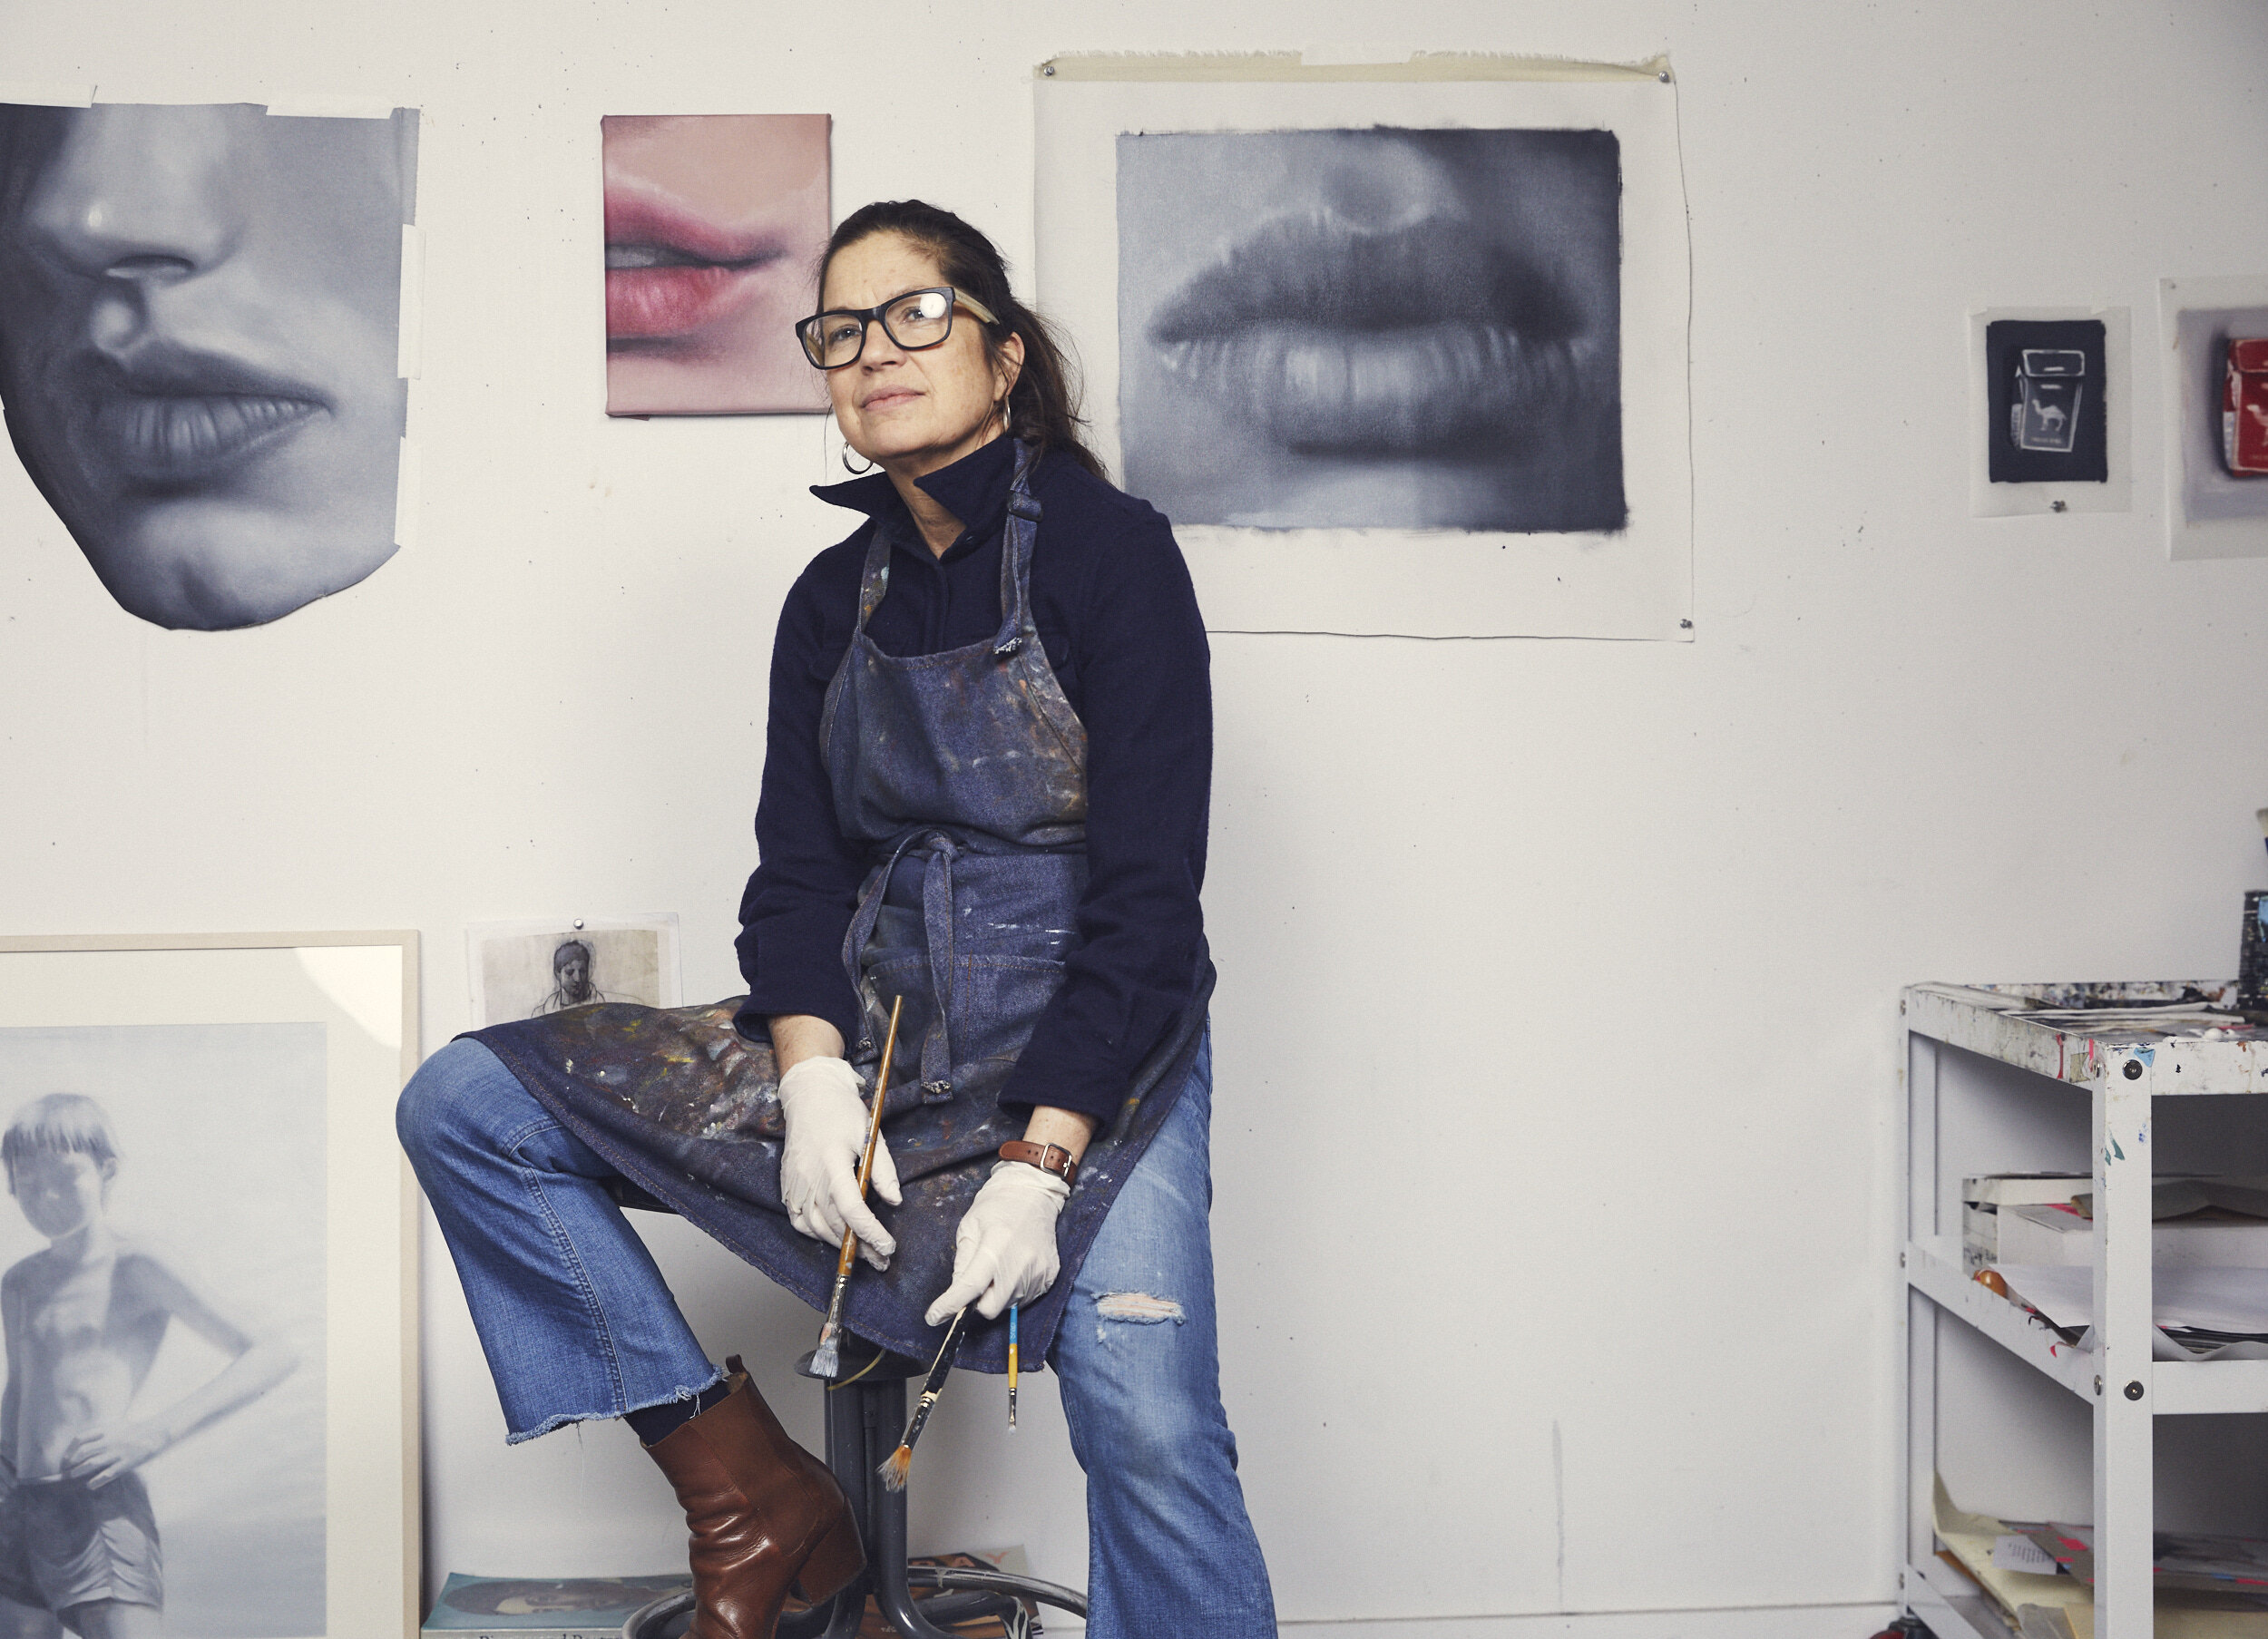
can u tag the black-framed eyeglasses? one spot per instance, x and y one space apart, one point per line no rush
914 320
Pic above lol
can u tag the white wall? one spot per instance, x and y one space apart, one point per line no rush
1575 962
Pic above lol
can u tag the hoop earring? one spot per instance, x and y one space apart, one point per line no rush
856 472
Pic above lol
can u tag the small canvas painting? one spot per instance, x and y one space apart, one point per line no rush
714 227
2217 426
2048 388
1373 328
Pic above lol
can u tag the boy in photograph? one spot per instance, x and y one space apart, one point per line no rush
84 1321
571 982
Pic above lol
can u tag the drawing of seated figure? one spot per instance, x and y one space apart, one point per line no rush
84 1321
572 985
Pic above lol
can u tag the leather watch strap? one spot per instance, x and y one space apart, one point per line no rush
1048 1157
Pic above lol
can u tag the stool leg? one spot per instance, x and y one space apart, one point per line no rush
885 1563
848 1454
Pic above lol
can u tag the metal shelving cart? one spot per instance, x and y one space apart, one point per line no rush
2122 1067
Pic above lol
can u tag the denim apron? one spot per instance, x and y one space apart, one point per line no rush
963 775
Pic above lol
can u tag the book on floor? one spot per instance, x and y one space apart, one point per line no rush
544 1607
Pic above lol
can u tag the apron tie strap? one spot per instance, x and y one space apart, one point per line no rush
854 938
937 914
1015 559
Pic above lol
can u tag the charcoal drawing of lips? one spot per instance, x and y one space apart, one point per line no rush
169 420
1333 337
669 274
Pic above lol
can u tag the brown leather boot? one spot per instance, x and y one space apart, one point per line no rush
765 1516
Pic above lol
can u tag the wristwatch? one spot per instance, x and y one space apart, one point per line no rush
1048 1157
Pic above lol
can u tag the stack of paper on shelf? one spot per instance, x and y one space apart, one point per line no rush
2191 1560
1984 1199
2197 1306
2045 1218
2059 1605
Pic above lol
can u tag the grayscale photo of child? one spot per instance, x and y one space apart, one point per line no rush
161 1418
84 1321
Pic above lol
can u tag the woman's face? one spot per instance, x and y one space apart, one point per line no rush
912 413
713 222
199 331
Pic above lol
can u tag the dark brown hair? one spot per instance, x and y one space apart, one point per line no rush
1043 405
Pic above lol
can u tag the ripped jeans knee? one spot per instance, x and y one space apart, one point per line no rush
1139 1309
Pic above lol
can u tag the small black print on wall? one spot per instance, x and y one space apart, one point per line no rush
2046 393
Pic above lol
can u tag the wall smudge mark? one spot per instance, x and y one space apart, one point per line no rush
1139 1308
1558 1514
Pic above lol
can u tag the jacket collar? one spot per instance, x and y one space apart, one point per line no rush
973 489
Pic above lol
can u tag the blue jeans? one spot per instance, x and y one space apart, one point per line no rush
577 1323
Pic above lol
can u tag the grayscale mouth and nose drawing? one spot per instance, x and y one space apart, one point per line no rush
200 324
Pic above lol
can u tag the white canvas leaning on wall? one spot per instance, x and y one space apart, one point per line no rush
201 336
1399 349
225 1105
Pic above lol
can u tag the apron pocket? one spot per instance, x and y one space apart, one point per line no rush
996 1002
900 973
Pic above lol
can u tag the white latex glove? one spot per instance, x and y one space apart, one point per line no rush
818 1164
1004 1251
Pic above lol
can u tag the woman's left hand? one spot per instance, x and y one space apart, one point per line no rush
1004 1251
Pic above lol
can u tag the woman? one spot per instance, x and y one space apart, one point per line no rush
984 792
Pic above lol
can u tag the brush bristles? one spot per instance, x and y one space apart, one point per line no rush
895 1468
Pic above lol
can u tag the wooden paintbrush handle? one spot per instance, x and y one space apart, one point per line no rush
882 1092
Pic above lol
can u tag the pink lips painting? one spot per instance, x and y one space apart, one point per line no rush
1373 328
714 223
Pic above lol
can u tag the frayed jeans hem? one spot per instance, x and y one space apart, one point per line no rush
550 1425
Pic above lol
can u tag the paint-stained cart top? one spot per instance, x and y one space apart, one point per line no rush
2186 1037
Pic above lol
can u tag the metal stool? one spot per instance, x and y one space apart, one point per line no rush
864 1416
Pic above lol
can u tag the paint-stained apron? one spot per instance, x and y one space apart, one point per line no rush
964 774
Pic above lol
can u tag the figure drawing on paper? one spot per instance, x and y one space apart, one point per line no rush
574 983
84 1320
1375 327
981 841
200 321
526 970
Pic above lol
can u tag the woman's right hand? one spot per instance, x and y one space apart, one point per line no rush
818 1165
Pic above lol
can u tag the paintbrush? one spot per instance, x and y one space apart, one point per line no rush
827 1360
1011 1369
895 1466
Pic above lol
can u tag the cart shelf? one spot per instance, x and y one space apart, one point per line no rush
2123 1046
